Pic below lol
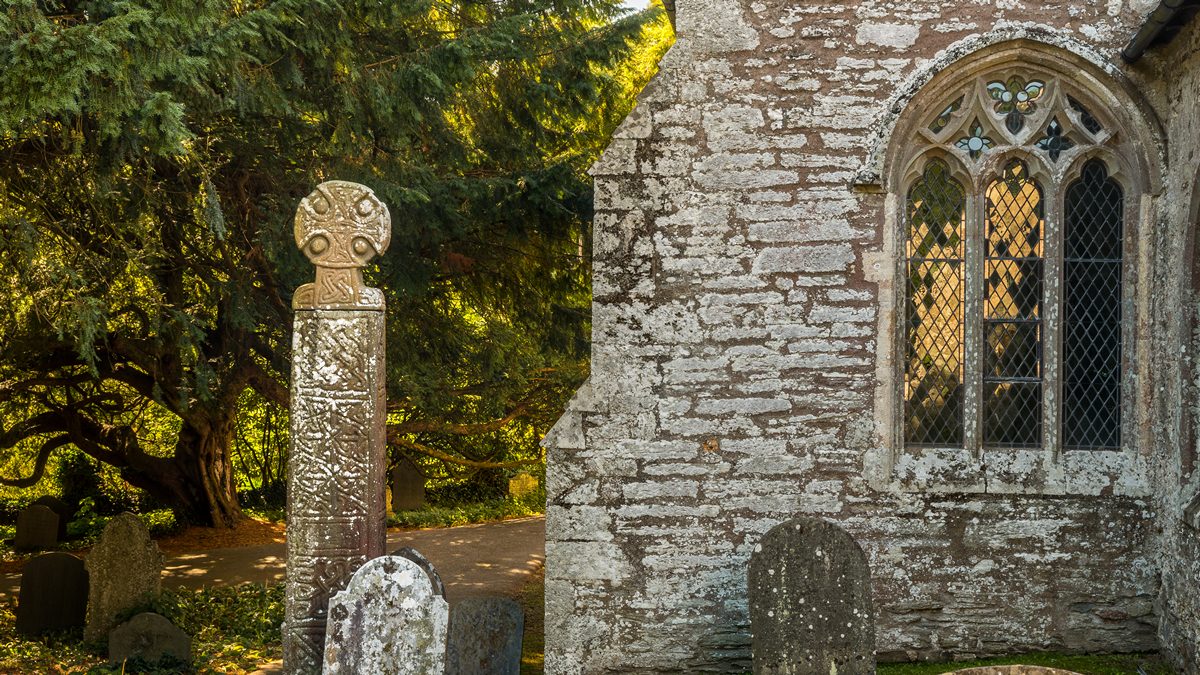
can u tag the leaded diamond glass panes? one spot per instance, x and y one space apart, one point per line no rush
1012 310
933 377
1092 310
984 252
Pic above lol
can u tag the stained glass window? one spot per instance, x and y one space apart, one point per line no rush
934 311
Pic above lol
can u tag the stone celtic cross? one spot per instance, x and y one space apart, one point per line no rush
336 466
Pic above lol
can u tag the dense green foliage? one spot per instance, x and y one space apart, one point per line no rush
152 154
233 631
1088 664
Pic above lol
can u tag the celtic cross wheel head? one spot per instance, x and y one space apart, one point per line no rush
341 227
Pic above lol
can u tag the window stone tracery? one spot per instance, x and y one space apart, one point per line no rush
1014 219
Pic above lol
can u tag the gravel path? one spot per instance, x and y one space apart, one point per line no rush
490 558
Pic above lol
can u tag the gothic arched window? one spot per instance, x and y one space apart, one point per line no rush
1014 228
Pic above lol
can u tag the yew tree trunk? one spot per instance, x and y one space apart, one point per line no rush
198 483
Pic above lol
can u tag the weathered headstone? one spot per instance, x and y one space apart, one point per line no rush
53 595
416 556
337 465
37 529
408 487
522 484
810 602
485 637
63 509
124 571
388 621
150 639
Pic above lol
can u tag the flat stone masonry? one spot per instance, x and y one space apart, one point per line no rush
337 465
388 621
810 602
485 637
37 529
54 594
124 571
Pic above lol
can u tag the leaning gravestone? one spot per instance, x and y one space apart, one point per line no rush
408 487
54 594
388 621
37 529
124 570
485 637
62 509
810 602
150 639
337 464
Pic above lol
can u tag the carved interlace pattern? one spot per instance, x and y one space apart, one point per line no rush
341 226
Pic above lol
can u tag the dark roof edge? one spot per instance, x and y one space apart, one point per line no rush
1160 26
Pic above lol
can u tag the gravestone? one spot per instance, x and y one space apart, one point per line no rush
522 484
62 509
810 602
53 595
435 579
388 621
37 529
408 487
150 639
485 637
124 571
337 464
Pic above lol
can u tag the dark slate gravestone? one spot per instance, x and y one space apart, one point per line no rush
485 637
125 570
810 602
54 593
408 487
62 509
37 529
150 639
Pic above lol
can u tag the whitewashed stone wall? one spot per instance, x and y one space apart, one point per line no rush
736 375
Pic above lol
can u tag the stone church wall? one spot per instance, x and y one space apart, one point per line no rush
737 374
1177 483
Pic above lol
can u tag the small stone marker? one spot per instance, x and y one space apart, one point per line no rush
810 602
124 569
485 637
151 639
54 594
522 484
388 621
63 509
408 487
414 555
37 529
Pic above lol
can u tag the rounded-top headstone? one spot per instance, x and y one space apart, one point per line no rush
810 602
53 595
63 509
485 637
37 529
150 639
125 570
388 621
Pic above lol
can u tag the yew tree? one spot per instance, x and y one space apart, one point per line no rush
153 152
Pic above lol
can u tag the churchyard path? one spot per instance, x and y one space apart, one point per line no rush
484 559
